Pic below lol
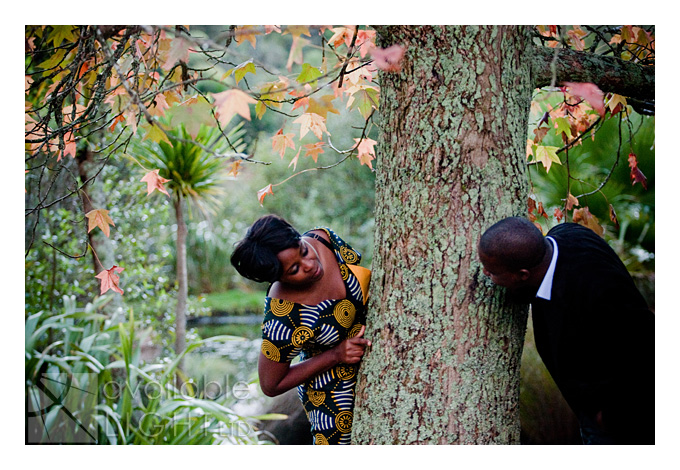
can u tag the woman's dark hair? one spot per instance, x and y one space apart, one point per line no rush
255 256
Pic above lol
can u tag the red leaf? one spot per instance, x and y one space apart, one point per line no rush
99 218
636 176
110 279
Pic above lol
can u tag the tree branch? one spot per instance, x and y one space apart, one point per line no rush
610 74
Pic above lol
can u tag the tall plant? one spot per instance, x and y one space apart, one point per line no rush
193 166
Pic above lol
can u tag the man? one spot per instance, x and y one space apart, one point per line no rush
593 329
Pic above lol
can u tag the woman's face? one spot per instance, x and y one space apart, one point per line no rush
301 265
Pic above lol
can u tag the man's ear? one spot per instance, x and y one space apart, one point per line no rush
524 274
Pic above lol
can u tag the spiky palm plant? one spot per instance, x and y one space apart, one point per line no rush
196 168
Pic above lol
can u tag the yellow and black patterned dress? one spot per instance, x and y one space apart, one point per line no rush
290 329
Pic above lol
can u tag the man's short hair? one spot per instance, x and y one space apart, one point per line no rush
515 242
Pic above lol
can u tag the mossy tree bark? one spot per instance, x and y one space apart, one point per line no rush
444 365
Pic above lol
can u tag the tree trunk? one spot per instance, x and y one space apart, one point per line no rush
444 365
182 290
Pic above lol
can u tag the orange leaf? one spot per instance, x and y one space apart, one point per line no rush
559 215
246 33
263 192
585 218
613 217
110 279
232 102
313 150
154 181
571 202
233 171
99 218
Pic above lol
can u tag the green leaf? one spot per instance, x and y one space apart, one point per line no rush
309 75
244 68
562 126
365 100
547 155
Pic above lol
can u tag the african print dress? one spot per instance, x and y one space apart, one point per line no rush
290 329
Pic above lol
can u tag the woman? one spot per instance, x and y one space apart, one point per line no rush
315 307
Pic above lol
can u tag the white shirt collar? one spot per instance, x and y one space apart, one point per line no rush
545 289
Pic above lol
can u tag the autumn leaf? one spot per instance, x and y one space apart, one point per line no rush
179 52
246 33
571 202
636 176
322 106
364 98
295 56
109 279
295 159
562 126
244 68
613 217
234 169
547 155
311 122
365 150
589 92
263 192
154 133
585 218
192 113
313 150
281 141
99 218
559 215
154 181
389 59
616 103
231 102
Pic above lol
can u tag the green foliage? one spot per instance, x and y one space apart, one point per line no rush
128 401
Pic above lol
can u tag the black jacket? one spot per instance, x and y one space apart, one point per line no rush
596 335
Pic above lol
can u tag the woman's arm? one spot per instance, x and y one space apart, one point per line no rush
279 377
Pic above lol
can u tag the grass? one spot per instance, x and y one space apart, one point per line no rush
235 302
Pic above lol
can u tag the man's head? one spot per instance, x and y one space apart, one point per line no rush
513 253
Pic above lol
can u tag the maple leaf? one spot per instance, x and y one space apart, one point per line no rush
154 181
589 92
231 102
99 218
160 104
547 155
269 28
263 192
313 122
636 176
309 75
110 279
323 106
313 150
364 98
242 69
616 103
389 59
281 141
559 215
233 171
246 33
295 55
179 52
585 218
366 153
192 113
571 202
295 159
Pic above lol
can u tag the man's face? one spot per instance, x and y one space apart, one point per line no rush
499 274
